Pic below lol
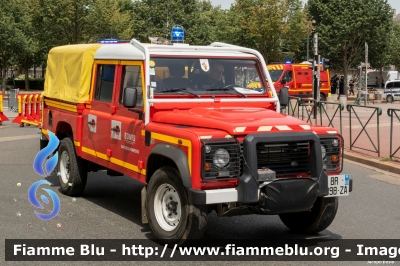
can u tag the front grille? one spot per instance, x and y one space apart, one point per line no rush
284 158
233 167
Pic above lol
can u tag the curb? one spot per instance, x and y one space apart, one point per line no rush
390 166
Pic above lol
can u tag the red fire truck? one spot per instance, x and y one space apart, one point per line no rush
298 78
182 120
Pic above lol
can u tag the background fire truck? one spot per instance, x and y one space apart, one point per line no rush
298 78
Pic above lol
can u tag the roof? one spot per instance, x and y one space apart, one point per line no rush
123 51
69 67
127 51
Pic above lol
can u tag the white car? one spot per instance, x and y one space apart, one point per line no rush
392 91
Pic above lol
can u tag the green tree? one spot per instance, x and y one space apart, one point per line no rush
14 16
394 45
276 28
155 18
344 26
80 21
106 21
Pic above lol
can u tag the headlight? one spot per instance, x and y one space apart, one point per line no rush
323 151
221 158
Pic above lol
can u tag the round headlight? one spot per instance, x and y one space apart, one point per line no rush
323 151
221 158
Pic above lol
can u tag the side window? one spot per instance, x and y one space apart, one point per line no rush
389 85
105 82
132 78
396 85
288 76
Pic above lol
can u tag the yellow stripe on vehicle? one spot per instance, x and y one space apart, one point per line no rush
126 165
89 151
63 106
114 160
174 140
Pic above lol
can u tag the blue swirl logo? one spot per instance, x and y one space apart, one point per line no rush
42 155
34 201
42 166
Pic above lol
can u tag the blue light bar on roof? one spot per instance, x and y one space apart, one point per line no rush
112 41
177 34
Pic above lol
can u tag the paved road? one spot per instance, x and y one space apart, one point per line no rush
110 206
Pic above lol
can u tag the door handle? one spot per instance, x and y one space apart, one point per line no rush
91 123
115 129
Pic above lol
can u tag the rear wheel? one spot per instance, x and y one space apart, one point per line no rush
389 99
171 218
71 169
315 220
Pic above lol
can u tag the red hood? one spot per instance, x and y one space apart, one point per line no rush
235 121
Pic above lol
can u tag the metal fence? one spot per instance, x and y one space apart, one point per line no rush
352 110
13 100
322 110
393 112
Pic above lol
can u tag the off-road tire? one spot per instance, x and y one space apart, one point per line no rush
316 220
389 99
70 168
193 218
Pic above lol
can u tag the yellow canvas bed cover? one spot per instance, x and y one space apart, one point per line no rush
69 72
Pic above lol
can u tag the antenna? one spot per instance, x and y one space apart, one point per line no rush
166 32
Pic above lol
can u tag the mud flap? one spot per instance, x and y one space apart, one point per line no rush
143 194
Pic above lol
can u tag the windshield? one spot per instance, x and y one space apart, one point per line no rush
275 74
205 76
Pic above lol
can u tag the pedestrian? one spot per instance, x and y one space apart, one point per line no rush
377 82
337 84
351 85
333 85
341 85
382 83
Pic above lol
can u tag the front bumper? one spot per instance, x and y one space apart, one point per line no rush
279 196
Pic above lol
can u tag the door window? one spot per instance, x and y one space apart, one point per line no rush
105 82
288 76
132 78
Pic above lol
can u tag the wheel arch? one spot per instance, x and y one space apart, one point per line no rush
167 154
64 130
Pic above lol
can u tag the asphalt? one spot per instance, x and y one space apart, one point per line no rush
366 140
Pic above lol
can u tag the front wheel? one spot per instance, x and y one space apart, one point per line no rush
71 169
171 218
315 220
389 99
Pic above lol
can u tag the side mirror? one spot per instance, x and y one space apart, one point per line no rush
130 97
284 96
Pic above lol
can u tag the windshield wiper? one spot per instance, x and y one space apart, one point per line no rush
228 89
180 90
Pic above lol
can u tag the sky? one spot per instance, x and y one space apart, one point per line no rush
226 4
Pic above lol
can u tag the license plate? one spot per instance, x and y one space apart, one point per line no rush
338 185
